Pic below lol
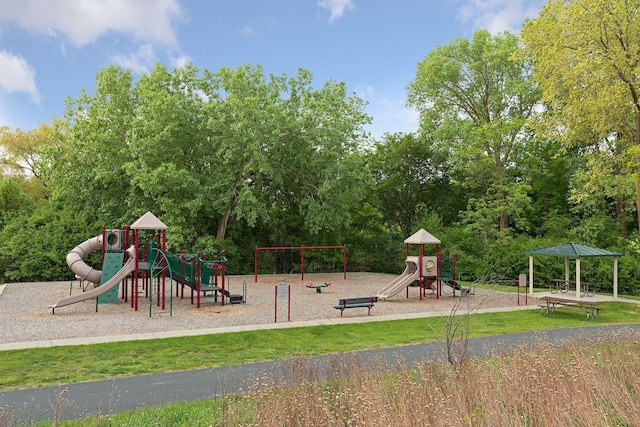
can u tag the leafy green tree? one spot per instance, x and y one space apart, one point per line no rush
20 158
85 166
19 154
410 181
585 56
549 172
13 201
172 164
474 101
283 143
200 149
33 247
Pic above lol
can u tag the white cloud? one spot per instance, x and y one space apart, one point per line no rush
16 75
181 61
336 7
248 31
139 62
396 111
498 15
84 21
390 115
365 91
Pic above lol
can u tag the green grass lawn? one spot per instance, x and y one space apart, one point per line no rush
60 365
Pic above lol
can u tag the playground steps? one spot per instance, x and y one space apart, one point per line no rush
234 298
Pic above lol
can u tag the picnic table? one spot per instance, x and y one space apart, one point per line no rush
318 288
550 304
562 285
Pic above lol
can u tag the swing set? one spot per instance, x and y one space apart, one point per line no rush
301 249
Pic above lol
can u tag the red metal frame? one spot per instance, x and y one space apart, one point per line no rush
301 249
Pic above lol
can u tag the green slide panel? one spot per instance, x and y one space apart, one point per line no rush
111 265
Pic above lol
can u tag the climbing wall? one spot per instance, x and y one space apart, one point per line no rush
113 262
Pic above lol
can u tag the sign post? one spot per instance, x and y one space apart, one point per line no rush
283 290
522 283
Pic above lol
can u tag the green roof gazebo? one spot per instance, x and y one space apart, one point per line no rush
574 251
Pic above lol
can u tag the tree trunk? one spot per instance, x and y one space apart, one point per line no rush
638 198
621 214
621 206
636 141
502 205
224 221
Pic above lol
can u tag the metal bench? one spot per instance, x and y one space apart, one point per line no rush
344 303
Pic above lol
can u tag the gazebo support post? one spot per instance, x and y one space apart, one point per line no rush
530 274
420 279
438 283
577 278
615 277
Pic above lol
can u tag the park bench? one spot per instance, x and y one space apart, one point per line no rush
551 304
344 303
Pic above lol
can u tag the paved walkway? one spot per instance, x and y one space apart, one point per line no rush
104 397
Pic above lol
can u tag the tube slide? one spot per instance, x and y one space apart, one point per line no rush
75 260
126 269
410 274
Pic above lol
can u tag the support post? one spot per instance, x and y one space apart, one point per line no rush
255 265
531 274
344 261
615 277
577 278
302 263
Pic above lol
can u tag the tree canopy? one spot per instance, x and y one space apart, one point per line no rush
236 158
201 149
474 101
585 56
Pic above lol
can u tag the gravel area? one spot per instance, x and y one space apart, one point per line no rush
25 316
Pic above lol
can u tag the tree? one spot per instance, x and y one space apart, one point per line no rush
409 181
586 58
85 165
20 154
33 246
284 144
13 201
200 149
20 149
172 163
474 101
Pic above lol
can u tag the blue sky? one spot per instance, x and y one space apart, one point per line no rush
51 49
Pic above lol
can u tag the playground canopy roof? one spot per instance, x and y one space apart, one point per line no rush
573 250
422 237
148 221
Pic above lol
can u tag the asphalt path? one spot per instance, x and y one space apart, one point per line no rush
80 400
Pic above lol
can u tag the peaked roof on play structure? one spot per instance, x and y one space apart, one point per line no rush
148 221
573 250
422 237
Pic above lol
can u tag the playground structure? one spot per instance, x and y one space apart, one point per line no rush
202 276
146 267
430 272
257 250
